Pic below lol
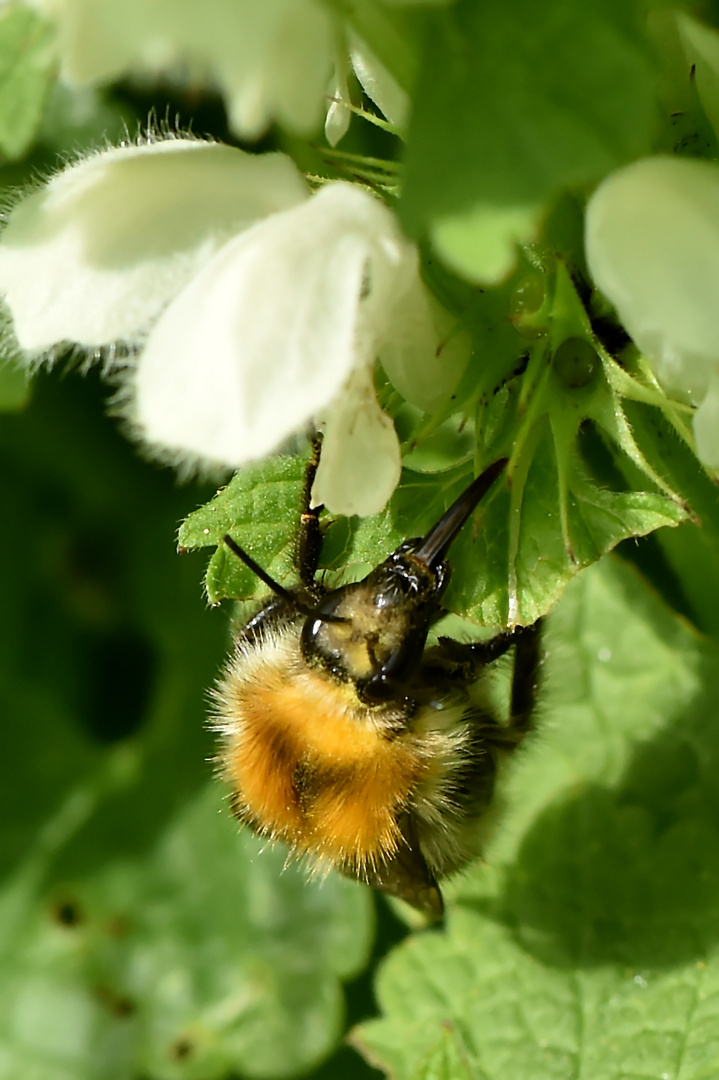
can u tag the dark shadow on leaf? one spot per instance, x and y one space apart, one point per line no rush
628 875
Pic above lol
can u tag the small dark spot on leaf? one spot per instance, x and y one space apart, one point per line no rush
68 913
181 1048
119 1005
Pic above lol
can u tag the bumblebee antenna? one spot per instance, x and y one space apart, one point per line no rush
436 543
270 582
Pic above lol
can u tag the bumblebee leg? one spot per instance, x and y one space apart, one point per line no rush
407 876
468 658
309 537
465 661
525 677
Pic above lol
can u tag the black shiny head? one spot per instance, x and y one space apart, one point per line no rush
373 632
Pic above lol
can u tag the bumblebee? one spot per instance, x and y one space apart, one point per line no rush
348 738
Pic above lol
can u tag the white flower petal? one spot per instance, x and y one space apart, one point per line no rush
360 464
338 117
652 237
706 424
298 58
97 38
94 256
378 84
270 58
424 356
266 335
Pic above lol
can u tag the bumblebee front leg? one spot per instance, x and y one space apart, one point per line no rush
466 660
309 537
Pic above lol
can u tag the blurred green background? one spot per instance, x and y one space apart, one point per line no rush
140 933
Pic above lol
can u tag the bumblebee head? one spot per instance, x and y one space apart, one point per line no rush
372 633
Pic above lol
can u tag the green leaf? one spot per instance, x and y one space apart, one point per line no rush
219 959
260 509
693 554
585 944
564 509
27 64
515 102
481 243
447 1059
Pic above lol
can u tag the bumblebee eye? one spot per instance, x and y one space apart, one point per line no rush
389 685
378 690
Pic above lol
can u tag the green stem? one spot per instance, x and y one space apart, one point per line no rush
361 160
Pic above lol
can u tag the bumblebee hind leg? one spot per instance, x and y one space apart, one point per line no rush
406 875
525 678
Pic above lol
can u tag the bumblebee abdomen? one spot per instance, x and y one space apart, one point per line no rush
308 763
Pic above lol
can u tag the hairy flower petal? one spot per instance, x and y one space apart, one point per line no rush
95 255
267 334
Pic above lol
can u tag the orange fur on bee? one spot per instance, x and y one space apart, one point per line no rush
305 760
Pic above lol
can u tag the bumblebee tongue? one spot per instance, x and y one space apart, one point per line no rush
438 540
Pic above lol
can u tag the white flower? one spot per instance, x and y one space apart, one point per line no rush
94 256
652 237
259 307
271 59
